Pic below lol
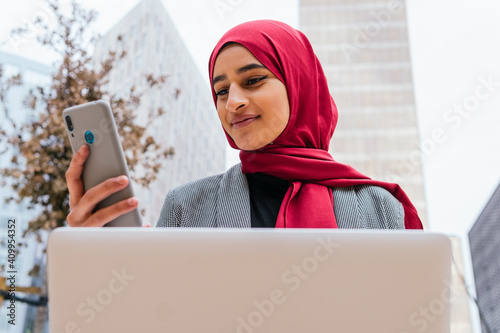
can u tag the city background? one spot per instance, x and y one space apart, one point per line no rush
451 84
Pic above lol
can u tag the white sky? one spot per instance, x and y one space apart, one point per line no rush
453 43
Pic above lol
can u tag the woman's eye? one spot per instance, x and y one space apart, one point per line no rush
255 80
221 92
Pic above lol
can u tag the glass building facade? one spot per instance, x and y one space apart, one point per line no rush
33 75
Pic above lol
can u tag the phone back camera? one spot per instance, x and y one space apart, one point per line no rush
69 123
89 136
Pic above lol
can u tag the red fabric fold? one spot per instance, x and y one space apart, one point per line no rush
302 207
300 153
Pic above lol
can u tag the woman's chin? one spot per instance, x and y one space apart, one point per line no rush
249 146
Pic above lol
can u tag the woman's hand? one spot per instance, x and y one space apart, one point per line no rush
82 203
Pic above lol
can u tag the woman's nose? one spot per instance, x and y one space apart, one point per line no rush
236 99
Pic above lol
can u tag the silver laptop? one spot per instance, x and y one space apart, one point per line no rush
248 281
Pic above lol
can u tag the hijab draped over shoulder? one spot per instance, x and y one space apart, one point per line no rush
300 153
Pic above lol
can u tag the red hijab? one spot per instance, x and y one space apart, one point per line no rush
300 153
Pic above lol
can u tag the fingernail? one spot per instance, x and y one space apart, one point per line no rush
121 180
132 201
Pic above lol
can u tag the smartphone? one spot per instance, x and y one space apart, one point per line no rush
93 124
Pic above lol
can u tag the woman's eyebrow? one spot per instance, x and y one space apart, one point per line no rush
249 67
239 71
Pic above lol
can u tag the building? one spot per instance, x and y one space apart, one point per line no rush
190 124
484 238
364 49
33 75
460 314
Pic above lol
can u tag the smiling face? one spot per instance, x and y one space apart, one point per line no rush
252 102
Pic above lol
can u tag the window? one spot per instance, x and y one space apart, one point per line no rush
158 26
138 61
158 45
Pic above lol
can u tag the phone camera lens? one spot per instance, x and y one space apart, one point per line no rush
69 123
89 136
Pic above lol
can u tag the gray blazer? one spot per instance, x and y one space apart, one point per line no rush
223 201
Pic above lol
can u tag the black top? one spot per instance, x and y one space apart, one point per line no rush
266 194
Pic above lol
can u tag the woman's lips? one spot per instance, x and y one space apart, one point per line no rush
242 121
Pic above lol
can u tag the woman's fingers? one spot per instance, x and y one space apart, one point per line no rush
108 214
103 215
84 208
74 176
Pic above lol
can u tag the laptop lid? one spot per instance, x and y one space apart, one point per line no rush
245 281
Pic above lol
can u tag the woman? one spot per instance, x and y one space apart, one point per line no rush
273 102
